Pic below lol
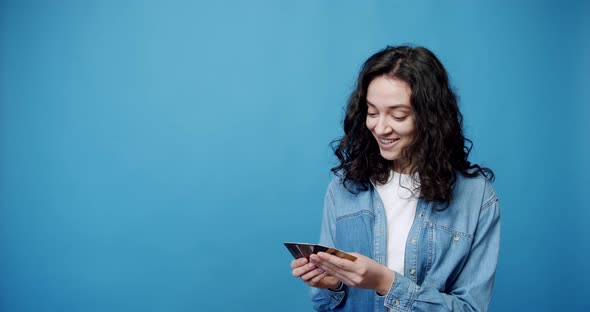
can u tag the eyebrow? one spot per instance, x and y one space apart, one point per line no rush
396 106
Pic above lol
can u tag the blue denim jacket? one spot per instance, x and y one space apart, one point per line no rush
451 254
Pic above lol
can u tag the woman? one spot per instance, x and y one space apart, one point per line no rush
423 222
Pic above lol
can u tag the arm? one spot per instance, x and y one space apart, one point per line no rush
473 288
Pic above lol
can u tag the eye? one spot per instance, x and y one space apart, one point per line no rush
399 118
372 114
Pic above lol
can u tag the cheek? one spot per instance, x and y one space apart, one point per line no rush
370 122
406 129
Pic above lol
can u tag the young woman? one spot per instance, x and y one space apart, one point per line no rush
423 222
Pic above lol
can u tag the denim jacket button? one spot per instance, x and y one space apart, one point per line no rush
413 241
396 302
412 271
456 238
421 215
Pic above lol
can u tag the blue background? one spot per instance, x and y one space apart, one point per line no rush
154 155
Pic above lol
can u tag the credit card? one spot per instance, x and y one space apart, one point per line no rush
304 250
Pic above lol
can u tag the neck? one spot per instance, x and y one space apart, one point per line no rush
402 167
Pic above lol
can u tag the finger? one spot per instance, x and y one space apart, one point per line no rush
337 261
326 265
344 273
338 272
298 272
298 262
316 280
342 276
311 274
334 271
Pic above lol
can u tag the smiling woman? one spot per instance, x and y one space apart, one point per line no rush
423 222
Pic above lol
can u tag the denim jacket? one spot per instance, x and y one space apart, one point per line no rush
450 257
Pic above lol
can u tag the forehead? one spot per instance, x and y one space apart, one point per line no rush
385 91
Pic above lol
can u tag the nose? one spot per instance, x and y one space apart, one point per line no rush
382 128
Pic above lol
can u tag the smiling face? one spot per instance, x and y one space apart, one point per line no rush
390 118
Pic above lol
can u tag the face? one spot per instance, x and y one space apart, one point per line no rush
390 117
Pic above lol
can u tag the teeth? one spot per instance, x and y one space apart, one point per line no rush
384 141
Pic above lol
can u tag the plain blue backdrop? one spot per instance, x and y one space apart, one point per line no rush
154 155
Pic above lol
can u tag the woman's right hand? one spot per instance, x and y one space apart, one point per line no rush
313 276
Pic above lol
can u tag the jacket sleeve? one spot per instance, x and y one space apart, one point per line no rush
325 299
472 290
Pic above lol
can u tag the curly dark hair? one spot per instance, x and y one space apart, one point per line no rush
438 150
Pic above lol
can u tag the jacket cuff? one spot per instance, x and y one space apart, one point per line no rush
402 294
335 297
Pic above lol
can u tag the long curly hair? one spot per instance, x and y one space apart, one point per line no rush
438 151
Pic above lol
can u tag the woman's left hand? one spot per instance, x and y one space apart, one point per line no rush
364 272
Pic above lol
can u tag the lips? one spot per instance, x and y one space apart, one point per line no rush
386 142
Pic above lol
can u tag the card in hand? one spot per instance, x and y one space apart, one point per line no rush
304 250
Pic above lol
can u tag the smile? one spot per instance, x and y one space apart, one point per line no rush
387 141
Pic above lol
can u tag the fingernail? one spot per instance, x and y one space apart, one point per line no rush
311 265
303 261
320 270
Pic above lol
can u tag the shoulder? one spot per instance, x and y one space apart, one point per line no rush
347 195
476 189
470 203
338 186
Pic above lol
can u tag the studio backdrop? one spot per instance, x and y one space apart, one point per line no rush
155 155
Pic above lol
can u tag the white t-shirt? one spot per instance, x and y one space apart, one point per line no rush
400 200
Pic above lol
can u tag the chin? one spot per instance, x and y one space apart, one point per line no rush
389 155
